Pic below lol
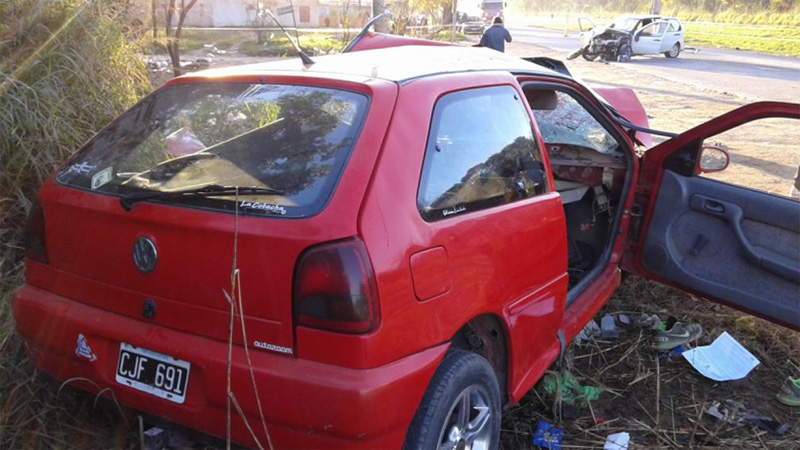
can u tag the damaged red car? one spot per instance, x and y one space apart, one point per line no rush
390 244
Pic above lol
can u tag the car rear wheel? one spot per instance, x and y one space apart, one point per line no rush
674 51
461 407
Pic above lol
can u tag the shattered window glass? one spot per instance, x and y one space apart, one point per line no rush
569 123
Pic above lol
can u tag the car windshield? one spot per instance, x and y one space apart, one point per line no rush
624 23
293 140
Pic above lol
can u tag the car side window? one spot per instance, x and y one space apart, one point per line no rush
654 29
674 25
480 153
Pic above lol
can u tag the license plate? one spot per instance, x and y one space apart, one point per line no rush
155 373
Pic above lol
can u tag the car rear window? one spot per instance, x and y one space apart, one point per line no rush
294 139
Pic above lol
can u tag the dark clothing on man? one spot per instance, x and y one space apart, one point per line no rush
495 37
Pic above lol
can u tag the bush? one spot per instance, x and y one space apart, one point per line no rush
67 67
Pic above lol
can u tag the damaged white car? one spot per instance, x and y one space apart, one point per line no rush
628 36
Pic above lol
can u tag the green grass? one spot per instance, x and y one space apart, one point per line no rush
771 39
445 34
222 39
313 44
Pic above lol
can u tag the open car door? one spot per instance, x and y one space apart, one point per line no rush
731 244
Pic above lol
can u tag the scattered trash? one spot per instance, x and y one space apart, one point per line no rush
671 353
678 334
719 412
617 441
648 322
547 436
789 393
736 414
155 438
572 392
608 327
624 319
772 426
724 360
589 332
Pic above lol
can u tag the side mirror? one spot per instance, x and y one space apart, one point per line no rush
712 159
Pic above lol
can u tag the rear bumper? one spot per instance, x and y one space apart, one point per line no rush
306 404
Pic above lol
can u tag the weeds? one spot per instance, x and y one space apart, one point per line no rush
661 402
66 69
313 44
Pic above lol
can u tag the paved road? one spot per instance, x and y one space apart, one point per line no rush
749 75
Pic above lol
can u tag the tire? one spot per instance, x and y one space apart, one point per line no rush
674 51
625 53
460 408
589 56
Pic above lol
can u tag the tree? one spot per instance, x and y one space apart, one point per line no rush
174 35
154 23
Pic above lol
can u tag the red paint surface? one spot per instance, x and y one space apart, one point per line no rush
430 272
625 101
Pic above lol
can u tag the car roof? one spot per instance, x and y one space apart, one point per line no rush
396 64
645 16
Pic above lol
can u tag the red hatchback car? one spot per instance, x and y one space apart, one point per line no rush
389 245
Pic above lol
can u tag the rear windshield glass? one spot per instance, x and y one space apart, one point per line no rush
293 139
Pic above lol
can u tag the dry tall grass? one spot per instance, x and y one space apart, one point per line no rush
67 67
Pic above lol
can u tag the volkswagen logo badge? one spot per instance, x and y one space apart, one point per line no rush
144 255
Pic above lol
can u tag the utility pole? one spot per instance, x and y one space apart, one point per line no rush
453 25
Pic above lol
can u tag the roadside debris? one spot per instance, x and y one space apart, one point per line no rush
589 332
647 322
724 360
617 441
547 436
789 393
678 334
736 414
571 392
608 327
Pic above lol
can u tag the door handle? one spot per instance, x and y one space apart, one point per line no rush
713 207
734 215
657 40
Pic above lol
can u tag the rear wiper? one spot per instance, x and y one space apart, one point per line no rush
211 190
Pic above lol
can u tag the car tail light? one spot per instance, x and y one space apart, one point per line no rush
335 289
35 243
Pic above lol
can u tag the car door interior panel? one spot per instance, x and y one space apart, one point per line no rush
728 242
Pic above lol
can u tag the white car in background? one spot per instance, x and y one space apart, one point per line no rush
630 35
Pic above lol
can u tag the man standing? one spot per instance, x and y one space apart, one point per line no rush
496 36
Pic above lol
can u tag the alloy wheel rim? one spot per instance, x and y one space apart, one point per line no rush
467 426
674 51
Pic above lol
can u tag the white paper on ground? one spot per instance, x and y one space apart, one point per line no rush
618 441
724 360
